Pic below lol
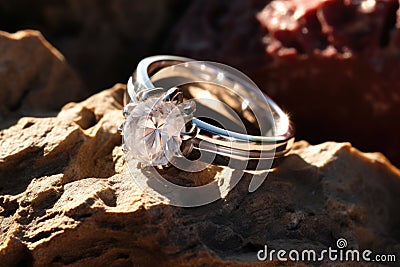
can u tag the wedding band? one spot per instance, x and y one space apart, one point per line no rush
179 107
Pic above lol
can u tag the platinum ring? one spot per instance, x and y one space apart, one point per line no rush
178 107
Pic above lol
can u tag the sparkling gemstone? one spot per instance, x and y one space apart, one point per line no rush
152 130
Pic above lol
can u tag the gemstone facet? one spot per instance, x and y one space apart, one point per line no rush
152 130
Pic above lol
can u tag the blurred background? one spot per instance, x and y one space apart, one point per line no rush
333 65
102 39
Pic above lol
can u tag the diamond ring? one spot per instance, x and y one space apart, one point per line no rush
197 111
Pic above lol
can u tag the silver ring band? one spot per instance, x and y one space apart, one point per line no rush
226 144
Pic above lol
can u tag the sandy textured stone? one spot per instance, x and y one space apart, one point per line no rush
34 76
68 200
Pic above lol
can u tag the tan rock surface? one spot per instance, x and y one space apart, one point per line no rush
68 200
34 76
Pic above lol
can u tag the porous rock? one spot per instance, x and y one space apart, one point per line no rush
67 199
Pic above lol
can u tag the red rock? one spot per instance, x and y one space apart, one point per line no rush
334 65
344 63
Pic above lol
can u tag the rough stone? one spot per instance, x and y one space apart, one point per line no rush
67 199
334 65
34 76
102 41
